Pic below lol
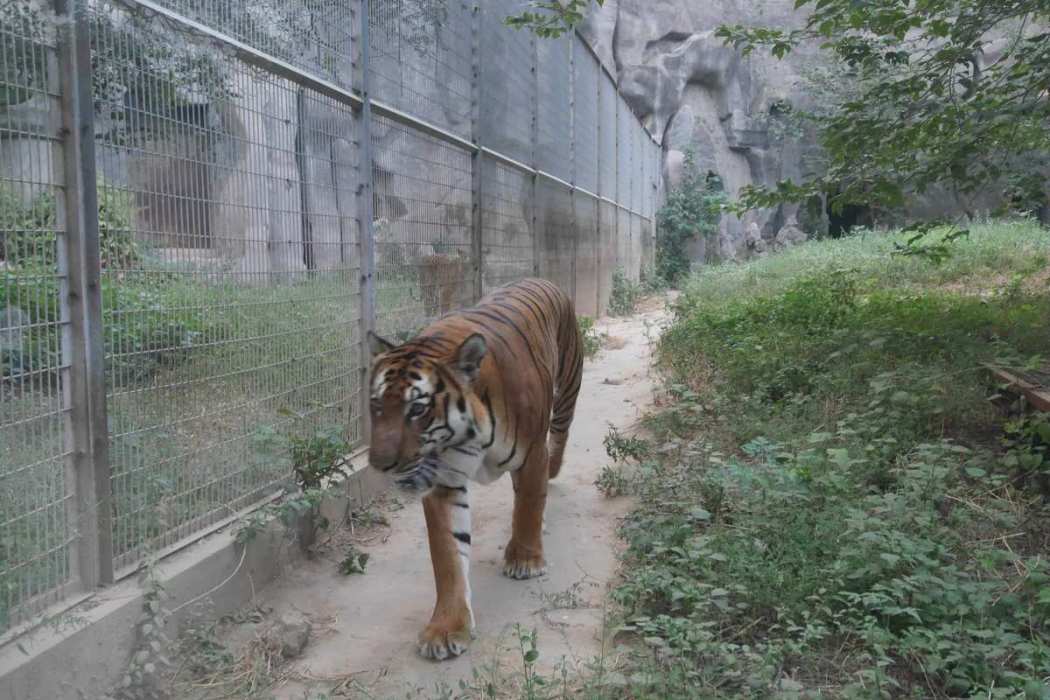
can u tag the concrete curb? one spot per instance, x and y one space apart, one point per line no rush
86 652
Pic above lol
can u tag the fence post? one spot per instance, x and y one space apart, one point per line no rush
616 178
83 378
477 157
598 200
572 162
534 137
366 228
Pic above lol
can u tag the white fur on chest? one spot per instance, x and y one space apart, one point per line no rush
484 466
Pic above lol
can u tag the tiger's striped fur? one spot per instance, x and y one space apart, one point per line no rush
479 393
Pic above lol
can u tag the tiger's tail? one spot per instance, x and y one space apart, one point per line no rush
570 373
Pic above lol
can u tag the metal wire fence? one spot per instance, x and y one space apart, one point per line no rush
205 204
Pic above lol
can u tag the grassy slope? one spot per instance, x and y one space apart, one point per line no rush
839 512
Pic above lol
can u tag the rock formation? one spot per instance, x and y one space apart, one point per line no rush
696 93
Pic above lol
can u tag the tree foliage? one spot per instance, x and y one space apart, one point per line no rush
551 19
692 210
950 93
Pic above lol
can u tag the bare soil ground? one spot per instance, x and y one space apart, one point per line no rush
365 625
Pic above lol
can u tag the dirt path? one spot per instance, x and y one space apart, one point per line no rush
367 647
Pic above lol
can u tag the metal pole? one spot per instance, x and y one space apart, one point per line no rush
572 163
537 243
477 157
365 191
83 376
619 195
598 203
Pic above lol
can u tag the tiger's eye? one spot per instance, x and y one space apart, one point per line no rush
416 410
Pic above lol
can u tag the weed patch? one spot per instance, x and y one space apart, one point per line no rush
830 504
625 294
592 338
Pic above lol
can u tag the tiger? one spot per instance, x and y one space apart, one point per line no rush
479 393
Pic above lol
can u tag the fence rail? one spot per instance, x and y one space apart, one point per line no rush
205 204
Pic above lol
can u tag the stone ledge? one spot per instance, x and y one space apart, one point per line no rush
86 658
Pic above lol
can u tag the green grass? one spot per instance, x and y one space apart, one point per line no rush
840 510
208 380
989 249
203 377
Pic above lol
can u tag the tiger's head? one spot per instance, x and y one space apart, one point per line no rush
422 405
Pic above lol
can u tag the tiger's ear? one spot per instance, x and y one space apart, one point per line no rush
377 345
469 356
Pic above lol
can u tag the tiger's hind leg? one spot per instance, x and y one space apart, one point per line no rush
523 557
447 512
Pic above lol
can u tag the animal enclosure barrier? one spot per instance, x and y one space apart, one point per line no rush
205 204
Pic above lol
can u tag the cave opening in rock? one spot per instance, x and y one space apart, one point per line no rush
842 219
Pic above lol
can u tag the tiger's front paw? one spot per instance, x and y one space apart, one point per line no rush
523 562
439 641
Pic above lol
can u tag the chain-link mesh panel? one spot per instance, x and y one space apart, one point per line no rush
637 169
643 174
230 282
645 243
585 117
556 231
625 125
422 204
506 230
586 254
228 211
420 59
607 132
37 539
624 244
508 83
647 177
314 36
554 108
607 253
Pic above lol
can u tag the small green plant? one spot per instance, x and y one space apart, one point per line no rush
622 447
317 455
533 683
1027 443
612 482
625 293
592 338
145 677
354 562
692 210
569 599
613 479
289 511
201 651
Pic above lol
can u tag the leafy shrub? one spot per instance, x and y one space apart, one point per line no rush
118 247
27 230
315 457
692 210
839 511
137 342
592 339
612 482
624 295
